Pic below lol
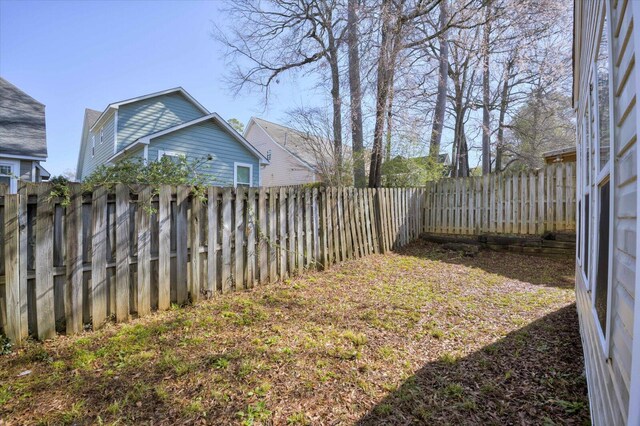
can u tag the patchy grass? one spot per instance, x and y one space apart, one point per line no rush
418 336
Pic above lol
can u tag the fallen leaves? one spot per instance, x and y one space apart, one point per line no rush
416 336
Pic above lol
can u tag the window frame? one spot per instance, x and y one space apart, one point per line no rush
15 173
237 164
93 145
600 176
176 154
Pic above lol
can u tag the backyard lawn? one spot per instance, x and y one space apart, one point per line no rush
418 336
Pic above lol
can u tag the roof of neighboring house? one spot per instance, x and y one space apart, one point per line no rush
291 140
442 158
22 123
90 118
145 140
561 155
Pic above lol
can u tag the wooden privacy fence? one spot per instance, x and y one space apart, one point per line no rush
520 204
113 254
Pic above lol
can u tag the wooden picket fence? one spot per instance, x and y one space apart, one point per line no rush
123 253
517 204
114 255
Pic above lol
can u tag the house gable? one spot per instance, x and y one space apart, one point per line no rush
285 168
147 116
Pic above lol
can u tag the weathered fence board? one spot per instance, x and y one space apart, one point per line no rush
127 251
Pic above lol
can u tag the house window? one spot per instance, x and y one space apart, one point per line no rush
171 155
93 146
101 136
585 262
601 182
602 82
602 274
9 175
243 174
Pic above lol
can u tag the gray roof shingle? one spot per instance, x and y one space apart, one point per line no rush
22 123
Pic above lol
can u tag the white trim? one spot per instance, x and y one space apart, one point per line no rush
634 388
235 172
599 179
22 157
93 145
162 153
180 90
213 116
115 132
106 114
33 171
145 153
43 172
126 149
101 135
13 180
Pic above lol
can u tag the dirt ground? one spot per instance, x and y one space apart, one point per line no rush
415 337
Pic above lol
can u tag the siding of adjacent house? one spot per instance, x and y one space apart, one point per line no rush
152 115
103 150
610 379
203 139
283 168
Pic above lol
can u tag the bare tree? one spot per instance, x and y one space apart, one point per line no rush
313 132
273 37
486 118
441 99
355 90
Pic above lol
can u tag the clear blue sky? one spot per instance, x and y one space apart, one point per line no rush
87 54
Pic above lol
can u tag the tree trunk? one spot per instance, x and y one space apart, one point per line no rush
337 109
486 118
355 91
504 103
383 76
387 151
441 98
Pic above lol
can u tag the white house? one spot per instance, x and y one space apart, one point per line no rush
291 161
605 90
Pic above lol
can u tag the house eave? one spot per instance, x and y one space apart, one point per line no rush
23 157
133 145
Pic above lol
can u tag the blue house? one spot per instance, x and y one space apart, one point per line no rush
168 123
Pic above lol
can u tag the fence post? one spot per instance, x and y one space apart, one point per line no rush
15 296
164 248
45 311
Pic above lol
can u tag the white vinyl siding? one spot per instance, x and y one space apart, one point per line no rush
609 367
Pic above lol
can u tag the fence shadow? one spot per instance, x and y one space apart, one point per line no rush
544 271
531 376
